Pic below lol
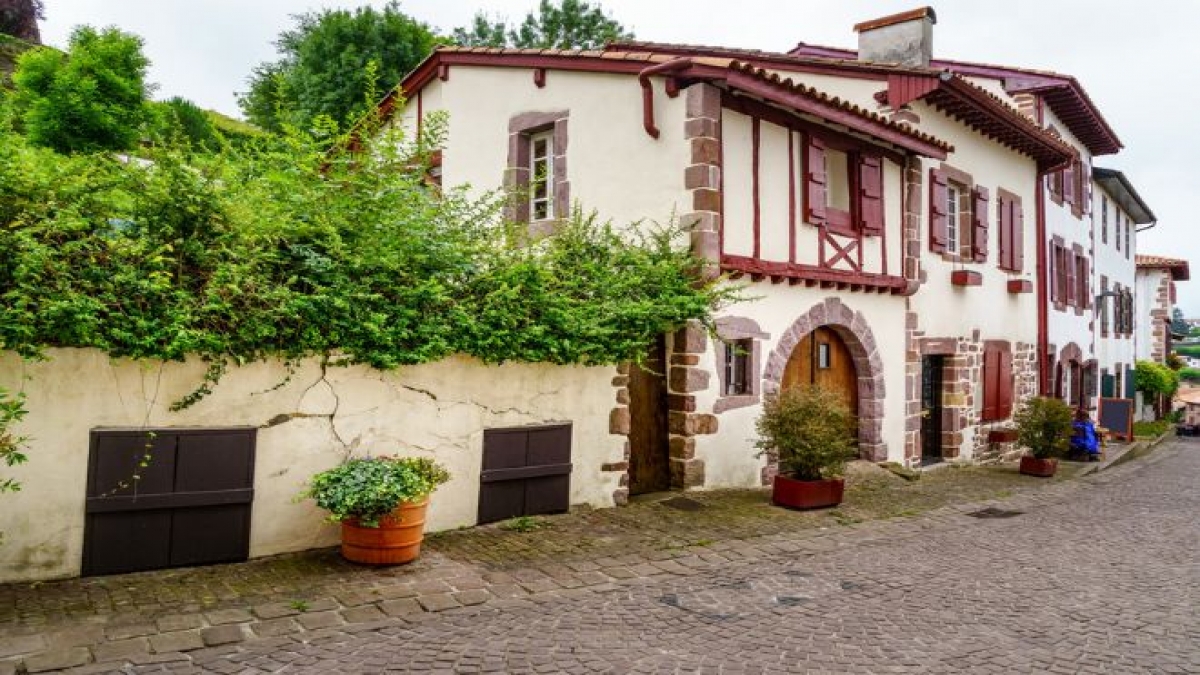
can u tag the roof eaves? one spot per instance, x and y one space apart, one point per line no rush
1122 190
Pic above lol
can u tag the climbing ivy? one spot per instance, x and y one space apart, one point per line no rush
286 247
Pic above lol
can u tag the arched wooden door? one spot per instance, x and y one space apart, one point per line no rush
822 358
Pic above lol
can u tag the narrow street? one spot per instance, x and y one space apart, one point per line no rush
1098 575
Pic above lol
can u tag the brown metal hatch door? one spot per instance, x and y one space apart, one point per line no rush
191 505
526 471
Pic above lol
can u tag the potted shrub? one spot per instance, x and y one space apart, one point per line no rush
380 502
1044 429
810 431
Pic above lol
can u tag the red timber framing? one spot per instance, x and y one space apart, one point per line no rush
840 242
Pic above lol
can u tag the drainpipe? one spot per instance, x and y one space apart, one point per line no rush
1043 333
672 66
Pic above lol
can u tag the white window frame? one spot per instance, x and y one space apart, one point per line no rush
953 216
541 174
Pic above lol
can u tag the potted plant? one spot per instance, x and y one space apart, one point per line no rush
380 502
1044 429
810 431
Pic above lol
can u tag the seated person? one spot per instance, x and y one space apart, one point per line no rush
1084 444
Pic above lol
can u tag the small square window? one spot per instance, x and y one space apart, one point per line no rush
824 356
737 367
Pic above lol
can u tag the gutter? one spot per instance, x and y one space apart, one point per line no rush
1148 227
672 66
1043 332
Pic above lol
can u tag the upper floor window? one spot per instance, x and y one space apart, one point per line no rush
958 225
541 175
1011 222
1103 219
1117 230
843 187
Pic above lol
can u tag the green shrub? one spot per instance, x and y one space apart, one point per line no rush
1044 427
810 429
1151 429
369 488
1190 374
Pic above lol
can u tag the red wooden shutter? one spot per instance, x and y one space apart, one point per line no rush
1069 265
1004 379
814 182
1068 184
1017 241
991 375
1086 179
937 210
1085 284
870 195
1003 232
979 223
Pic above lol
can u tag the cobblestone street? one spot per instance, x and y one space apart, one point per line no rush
1095 575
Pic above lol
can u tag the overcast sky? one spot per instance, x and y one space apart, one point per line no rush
1139 61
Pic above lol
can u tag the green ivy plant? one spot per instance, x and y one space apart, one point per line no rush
289 247
811 431
366 489
12 410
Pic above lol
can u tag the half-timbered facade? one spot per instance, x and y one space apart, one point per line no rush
887 213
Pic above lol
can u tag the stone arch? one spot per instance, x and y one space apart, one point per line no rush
852 328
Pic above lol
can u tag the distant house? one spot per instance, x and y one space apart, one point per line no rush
1156 278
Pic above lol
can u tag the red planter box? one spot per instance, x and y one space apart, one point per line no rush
966 278
1020 286
807 494
1002 435
1042 468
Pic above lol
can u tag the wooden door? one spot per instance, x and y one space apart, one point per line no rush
932 374
526 471
189 506
822 358
649 438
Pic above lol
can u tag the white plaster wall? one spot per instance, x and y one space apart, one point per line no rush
438 410
950 311
737 184
1145 301
729 455
1112 263
613 165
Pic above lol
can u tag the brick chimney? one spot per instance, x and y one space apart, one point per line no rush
905 38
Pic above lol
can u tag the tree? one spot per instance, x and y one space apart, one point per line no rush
179 119
571 24
19 18
326 65
91 98
1179 325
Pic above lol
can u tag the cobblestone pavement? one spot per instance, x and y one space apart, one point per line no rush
1097 575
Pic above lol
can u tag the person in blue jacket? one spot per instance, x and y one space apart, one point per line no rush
1084 443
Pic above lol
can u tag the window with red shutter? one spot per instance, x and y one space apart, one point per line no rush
1018 237
1083 284
870 195
979 224
1069 183
1003 231
1069 292
937 210
1085 177
814 182
1004 385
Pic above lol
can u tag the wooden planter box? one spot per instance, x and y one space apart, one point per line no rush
1002 436
807 494
396 541
966 278
1042 468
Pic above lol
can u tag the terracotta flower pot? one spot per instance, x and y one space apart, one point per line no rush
807 494
1032 466
396 541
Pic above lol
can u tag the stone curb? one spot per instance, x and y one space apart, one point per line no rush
173 638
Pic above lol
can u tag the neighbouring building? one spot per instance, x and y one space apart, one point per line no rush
1156 277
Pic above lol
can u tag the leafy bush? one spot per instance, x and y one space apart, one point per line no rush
367 489
1188 350
282 249
1152 429
1190 374
1155 378
810 429
1044 426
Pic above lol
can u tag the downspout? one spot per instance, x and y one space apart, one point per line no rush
1043 333
672 66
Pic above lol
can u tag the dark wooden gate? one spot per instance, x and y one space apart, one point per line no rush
190 506
649 435
526 471
932 380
